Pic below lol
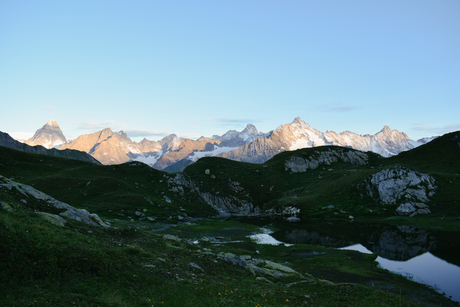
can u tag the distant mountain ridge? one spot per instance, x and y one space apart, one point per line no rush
249 145
299 134
7 141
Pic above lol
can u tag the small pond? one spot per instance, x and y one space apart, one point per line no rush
431 258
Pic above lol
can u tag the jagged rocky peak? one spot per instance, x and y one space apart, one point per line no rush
250 129
233 138
299 121
48 136
387 132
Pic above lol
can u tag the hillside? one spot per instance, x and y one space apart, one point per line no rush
338 179
7 141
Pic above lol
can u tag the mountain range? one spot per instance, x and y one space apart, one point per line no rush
173 153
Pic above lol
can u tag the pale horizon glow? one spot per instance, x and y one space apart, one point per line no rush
199 68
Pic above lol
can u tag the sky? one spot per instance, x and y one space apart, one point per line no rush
199 68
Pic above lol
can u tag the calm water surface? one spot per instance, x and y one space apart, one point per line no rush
420 255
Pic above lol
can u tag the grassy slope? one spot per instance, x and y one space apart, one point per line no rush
80 265
116 191
271 186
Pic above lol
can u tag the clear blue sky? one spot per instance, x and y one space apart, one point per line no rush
196 68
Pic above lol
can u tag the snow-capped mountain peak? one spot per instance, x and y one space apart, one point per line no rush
48 136
233 138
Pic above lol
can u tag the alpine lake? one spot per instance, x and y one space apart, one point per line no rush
424 255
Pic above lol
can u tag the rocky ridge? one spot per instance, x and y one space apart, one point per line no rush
297 164
26 192
299 134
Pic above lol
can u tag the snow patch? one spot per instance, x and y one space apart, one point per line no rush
200 154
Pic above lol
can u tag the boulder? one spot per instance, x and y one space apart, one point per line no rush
406 209
6 206
53 218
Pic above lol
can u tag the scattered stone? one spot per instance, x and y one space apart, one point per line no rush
351 217
196 266
297 282
264 279
293 219
148 266
207 171
98 220
406 209
172 238
6 207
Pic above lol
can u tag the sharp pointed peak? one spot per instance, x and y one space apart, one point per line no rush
386 129
52 123
250 127
298 120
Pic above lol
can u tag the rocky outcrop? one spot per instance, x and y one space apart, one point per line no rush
408 189
68 211
237 204
230 205
297 164
259 266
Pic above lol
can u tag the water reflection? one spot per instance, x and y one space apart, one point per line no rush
406 250
430 270
396 243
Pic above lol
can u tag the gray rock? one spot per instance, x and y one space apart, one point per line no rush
53 218
298 164
196 266
423 211
6 207
406 209
260 278
293 219
400 185
81 215
392 184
